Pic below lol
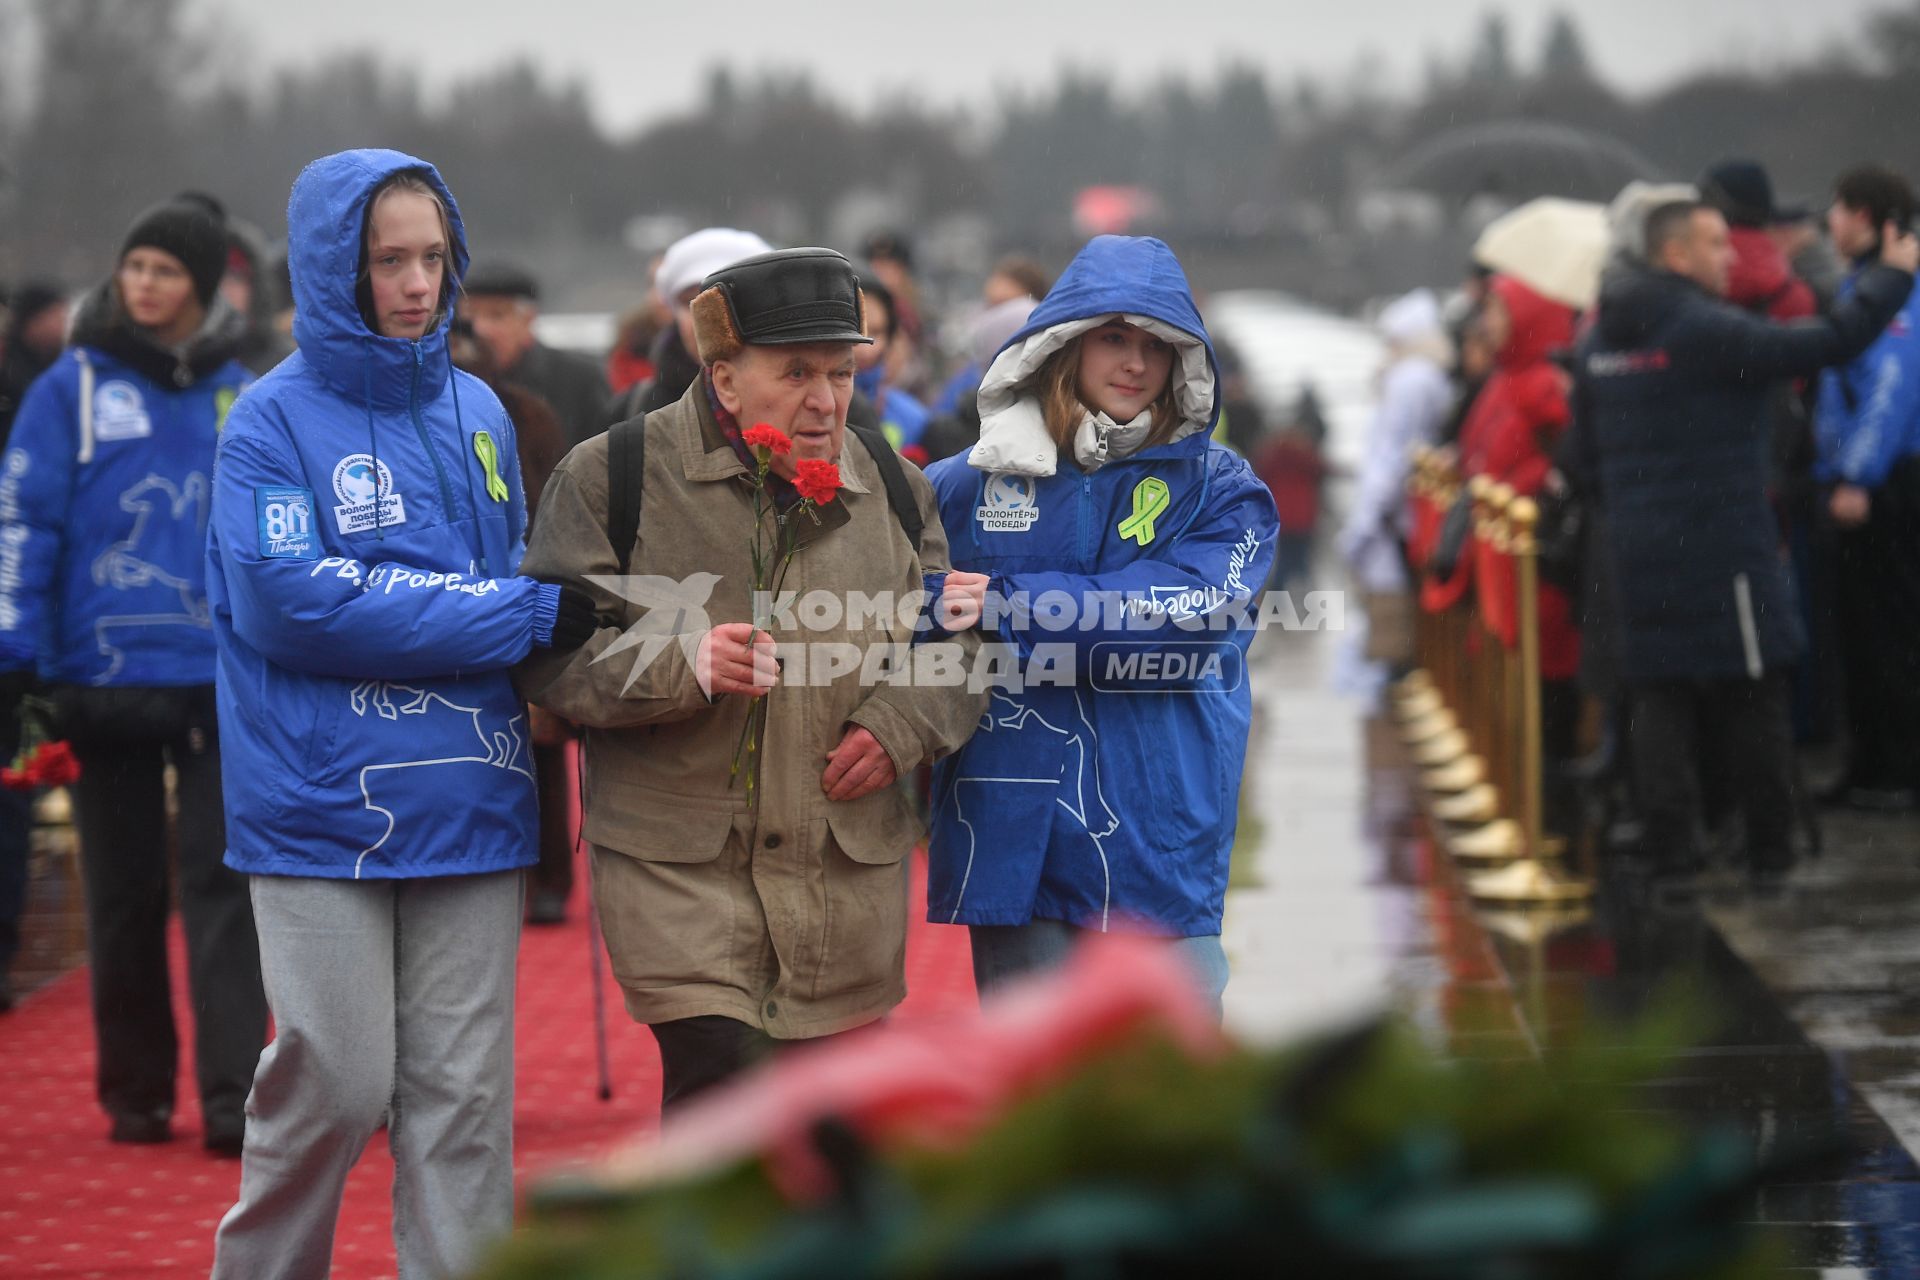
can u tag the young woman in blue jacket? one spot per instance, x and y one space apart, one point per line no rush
1124 551
368 523
103 517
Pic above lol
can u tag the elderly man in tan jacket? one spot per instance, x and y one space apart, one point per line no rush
739 916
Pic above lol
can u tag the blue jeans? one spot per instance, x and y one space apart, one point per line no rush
1003 953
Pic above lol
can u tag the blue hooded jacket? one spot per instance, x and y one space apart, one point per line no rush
103 505
1110 798
1868 414
367 523
903 419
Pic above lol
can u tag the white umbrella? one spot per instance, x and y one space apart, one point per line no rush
1555 247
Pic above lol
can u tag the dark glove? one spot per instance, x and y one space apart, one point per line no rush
574 621
15 685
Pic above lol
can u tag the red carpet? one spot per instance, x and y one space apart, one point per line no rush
73 1204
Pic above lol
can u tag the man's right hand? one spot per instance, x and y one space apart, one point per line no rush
725 663
1899 249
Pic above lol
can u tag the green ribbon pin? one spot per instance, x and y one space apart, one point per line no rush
489 455
1149 502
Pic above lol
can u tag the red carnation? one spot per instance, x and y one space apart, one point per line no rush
763 435
54 765
45 765
815 480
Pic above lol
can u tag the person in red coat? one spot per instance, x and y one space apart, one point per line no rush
1516 423
1762 280
1510 436
1290 465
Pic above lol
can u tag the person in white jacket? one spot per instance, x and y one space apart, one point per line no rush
1414 397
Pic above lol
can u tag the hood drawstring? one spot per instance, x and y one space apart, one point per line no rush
460 432
373 439
85 453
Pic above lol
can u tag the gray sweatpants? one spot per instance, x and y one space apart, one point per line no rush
392 999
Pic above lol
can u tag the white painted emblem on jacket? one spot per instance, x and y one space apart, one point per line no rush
157 506
441 726
1078 787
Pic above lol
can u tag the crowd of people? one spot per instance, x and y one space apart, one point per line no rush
1723 446
357 571
354 563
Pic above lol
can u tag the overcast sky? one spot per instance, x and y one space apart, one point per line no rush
641 59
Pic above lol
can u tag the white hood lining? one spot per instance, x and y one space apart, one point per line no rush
1013 430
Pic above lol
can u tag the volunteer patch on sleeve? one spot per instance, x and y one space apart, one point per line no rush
286 522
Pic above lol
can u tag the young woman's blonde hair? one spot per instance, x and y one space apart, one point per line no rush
1058 387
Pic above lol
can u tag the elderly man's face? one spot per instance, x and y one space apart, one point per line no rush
804 390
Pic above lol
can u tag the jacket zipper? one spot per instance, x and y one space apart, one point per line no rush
439 471
1749 635
1086 519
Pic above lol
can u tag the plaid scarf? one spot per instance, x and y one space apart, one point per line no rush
779 488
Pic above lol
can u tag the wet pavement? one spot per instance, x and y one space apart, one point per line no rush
1807 1005
1840 952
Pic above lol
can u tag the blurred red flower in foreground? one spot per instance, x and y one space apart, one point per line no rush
50 764
935 1084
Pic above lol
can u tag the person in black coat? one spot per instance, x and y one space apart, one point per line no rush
501 302
1676 382
33 335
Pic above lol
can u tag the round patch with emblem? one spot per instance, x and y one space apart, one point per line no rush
367 500
119 413
1010 505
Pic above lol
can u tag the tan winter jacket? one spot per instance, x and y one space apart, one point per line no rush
789 915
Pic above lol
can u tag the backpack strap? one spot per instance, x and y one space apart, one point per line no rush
636 397
894 475
626 482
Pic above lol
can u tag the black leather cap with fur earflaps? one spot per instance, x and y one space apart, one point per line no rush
778 299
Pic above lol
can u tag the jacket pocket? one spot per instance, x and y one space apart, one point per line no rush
640 825
1167 778
313 707
877 831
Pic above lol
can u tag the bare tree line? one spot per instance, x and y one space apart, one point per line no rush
127 102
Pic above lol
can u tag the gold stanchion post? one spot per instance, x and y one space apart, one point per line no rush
1525 515
1529 880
